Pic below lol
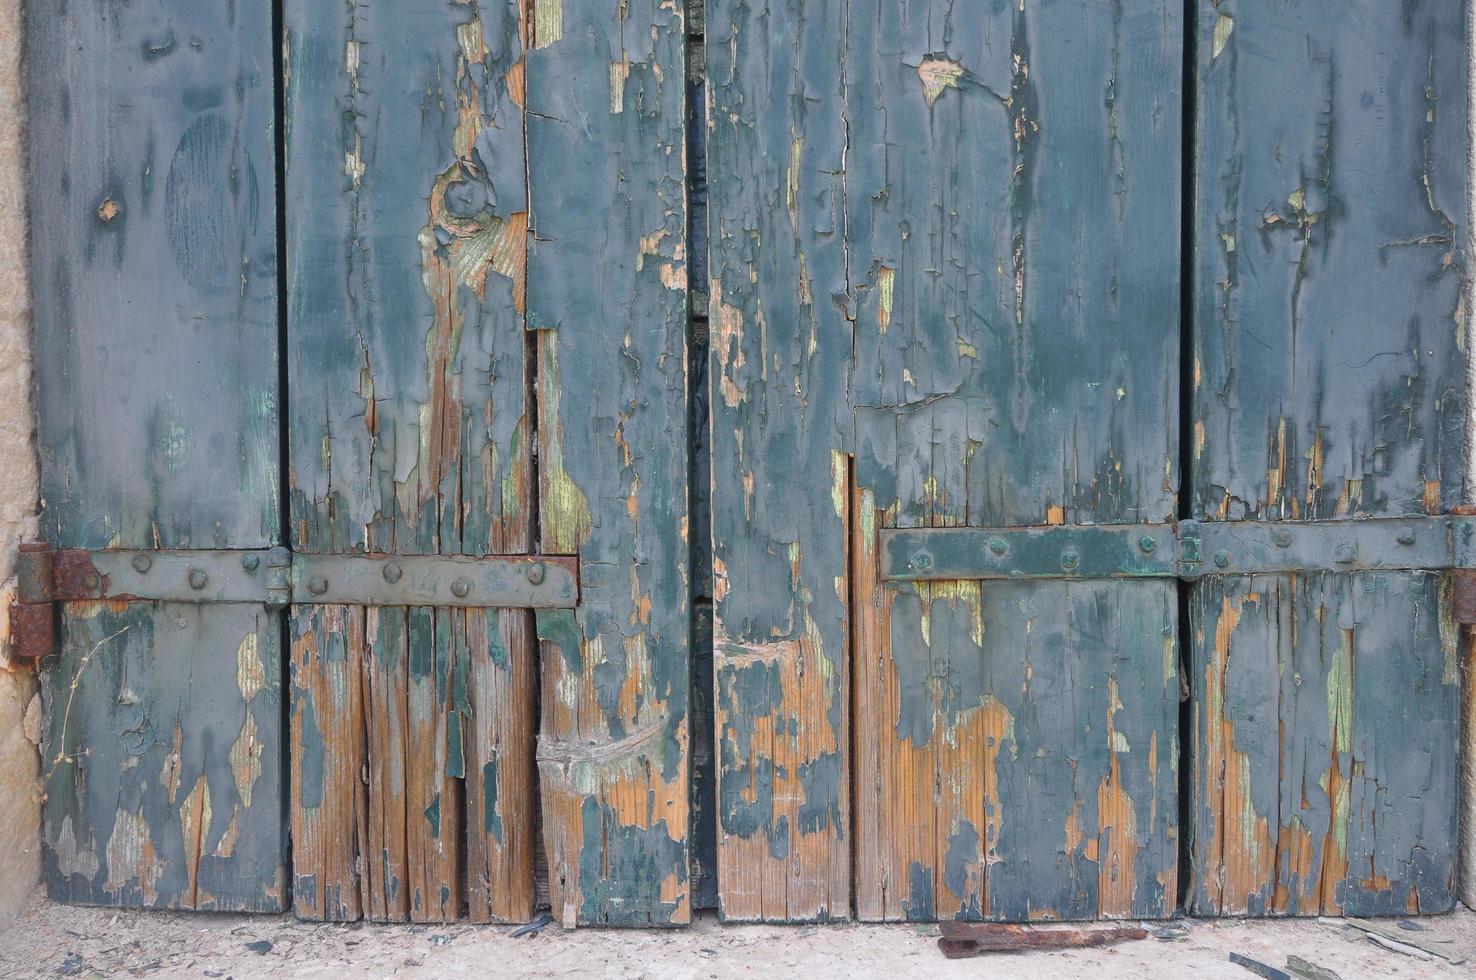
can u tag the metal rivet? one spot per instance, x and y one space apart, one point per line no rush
1406 536
535 573
198 579
251 562
142 563
998 546
1343 554
317 585
1282 537
93 582
1222 558
460 588
1070 559
392 573
1147 543
922 561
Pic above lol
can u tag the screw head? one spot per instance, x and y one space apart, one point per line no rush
998 546
535 573
1406 536
142 563
251 562
460 588
392 572
1222 558
1282 537
317 585
1148 544
1070 560
922 561
1343 554
198 579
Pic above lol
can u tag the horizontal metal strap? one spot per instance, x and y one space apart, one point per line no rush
534 582
275 577
1186 550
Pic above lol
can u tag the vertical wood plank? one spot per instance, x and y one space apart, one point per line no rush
328 753
154 270
411 423
500 766
607 300
780 365
1328 330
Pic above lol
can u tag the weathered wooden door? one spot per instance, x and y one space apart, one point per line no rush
1086 415
477 360
960 398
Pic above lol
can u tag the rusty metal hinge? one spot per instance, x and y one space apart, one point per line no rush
1189 550
275 578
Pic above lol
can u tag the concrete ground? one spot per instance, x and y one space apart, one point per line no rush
53 940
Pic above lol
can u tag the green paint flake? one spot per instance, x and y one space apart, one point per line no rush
1223 28
433 816
938 74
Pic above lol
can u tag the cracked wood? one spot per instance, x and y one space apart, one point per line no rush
607 305
411 426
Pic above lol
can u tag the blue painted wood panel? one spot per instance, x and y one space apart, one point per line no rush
154 269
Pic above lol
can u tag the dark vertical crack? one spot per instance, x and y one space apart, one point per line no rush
1186 498
702 757
284 461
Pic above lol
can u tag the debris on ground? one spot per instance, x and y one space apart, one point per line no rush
1258 968
1399 939
964 939
1308 970
533 928
262 946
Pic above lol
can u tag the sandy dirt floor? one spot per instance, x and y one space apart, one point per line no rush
56 941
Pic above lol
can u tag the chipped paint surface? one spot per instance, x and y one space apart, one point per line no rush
154 256
1324 736
411 433
162 777
607 303
780 364
996 350
1327 311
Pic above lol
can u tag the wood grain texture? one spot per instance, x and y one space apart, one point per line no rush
938 299
154 270
779 395
1329 332
1325 746
411 432
607 300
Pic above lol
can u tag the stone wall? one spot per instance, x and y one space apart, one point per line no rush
20 835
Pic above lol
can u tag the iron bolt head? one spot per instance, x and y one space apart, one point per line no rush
1069 560
998 546
1343 554
142 563
1406 536
1148 543
198 579
1222 558
922 561
93 582
460 588
1282 537
317 585
251 562
392 572
535 573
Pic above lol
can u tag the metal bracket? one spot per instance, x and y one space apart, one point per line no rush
275 578
1186 550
